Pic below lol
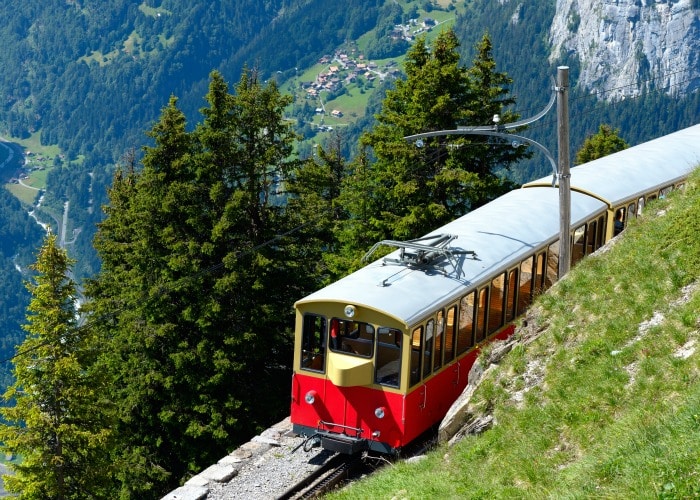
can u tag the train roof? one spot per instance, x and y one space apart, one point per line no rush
637 170
501 233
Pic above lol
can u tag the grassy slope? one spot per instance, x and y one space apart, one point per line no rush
614 411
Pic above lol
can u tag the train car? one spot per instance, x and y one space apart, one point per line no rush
628 179
381 355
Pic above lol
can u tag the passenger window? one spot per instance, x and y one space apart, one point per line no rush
352 337
665 192
552 264
512 291
466 323
590 241
632 209
579 246
439 340
600 240
313 347
388 356
540 274
482 307
496 303
525 291
428 346
416 345
640 206
450 337
620 219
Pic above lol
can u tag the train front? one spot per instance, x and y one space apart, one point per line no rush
346 387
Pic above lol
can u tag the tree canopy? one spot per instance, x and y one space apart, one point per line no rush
606 141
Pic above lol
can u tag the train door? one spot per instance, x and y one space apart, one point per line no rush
417 414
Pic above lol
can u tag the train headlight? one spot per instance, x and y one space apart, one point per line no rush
310 397
349 311
380 412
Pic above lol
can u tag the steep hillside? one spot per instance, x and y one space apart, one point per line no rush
602 397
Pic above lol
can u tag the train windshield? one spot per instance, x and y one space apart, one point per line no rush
352 337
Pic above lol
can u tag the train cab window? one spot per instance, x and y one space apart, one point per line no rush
416 347
313 343
579 244
465 336
525 287
496 304
552 264
590 241
512 295
439 340
450 334
481 309
388 357
352 337
428 343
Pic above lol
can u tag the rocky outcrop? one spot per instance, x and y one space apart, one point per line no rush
626 47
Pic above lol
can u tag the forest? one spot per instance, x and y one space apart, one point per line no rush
178 184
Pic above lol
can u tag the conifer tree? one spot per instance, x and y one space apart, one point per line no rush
200 284
56 423
315 206
604 142
415 189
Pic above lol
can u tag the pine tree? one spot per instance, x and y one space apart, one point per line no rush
56 423
606 141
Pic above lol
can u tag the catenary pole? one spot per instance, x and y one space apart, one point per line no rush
564 170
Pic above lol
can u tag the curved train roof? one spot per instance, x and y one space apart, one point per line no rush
501 233
636 170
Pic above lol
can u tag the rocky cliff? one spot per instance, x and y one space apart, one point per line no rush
629 46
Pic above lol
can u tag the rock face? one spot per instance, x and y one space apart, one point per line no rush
629 46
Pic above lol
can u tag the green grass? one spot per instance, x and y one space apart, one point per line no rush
153 11
42 157
616 413
23 194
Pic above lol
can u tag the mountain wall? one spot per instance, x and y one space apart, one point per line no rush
629 46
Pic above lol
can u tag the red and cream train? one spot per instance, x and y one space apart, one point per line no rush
381 355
